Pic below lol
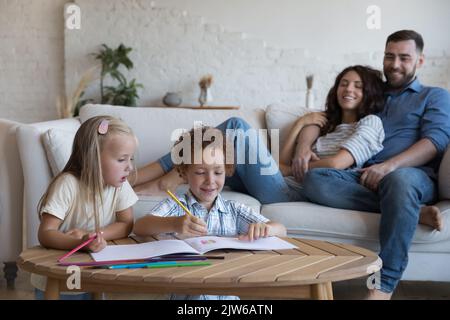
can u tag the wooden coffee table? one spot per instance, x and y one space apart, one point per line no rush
306 272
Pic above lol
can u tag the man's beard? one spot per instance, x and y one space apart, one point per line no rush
401 83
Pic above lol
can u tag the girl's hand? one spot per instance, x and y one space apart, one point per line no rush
256 231
76 233
191 225
98 244
317 118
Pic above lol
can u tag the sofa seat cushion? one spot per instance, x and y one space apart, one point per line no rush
309 219
147 203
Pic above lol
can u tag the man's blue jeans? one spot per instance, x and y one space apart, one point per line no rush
399 197
248 177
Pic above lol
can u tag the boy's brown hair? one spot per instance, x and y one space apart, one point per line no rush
210 138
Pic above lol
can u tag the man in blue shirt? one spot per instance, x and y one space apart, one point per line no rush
402 177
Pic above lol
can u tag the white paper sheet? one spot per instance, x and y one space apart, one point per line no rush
197 245
208 243
142 250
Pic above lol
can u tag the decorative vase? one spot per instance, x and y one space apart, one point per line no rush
172 99
205 96
310 99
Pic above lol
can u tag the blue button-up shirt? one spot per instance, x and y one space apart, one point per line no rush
415 113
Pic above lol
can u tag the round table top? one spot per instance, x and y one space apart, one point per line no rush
313 261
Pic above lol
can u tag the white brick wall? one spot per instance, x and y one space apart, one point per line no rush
172 49
31 59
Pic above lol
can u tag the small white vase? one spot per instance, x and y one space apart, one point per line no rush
310 99
205 97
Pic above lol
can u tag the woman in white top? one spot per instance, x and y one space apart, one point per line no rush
351 133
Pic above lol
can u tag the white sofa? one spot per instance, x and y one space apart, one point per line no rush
429 253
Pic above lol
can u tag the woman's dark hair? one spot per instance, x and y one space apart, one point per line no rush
372 100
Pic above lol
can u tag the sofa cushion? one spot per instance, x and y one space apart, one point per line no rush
58 147
309 219
282 117
147 203
156 128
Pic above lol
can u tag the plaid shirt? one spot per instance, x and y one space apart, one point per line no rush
226 217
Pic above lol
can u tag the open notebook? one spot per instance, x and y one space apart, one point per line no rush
197 245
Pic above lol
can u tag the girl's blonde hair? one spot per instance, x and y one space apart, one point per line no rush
85 161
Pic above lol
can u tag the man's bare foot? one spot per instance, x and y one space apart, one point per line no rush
431 216
378 295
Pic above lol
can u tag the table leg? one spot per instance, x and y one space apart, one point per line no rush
329 286
98 296
52 289
319 292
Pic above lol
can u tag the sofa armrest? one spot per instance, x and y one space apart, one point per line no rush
36 170
11 193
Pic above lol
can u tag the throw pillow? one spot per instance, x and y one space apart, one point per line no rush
58 147
282 117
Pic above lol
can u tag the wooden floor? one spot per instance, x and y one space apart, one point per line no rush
345 290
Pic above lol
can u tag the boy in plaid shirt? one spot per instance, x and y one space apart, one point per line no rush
211 214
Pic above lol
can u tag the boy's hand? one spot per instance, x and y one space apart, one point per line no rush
256 231
98 244
191 225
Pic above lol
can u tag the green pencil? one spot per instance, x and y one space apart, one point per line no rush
180 264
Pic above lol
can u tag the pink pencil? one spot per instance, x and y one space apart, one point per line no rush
77 248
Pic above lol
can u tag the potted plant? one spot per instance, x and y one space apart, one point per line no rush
125 93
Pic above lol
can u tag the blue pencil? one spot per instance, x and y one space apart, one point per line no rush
161 264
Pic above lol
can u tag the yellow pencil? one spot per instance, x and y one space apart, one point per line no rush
178 201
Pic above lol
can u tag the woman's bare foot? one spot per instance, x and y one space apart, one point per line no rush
375 294
431 216
169 181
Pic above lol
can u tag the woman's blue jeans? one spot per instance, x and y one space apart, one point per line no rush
399 198
258 175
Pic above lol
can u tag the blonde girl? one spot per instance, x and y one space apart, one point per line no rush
91 196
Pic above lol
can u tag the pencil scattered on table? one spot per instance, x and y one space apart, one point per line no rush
163 264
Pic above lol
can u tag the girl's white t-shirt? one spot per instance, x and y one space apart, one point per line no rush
65 203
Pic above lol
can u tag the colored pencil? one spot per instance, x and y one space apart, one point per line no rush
173 257
162 264
179 203
77 248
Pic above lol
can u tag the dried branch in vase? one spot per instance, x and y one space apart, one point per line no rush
206 81
67 106
309 81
